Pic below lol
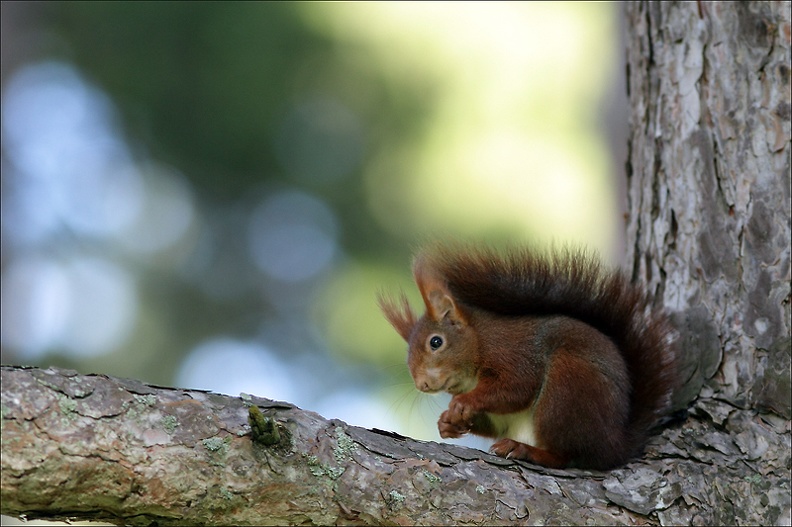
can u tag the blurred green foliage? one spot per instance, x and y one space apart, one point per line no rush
205 86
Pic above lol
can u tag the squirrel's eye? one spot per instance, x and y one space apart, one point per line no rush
435 342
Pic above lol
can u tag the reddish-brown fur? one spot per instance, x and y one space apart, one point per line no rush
578 347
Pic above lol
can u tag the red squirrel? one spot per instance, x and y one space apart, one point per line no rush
565 363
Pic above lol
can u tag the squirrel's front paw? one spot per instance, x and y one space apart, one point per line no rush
457 420
461 412
449 428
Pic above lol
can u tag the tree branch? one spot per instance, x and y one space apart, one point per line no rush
99 447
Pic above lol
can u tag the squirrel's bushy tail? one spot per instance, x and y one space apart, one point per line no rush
573 283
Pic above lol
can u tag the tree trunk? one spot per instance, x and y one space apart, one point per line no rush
709 187
708 231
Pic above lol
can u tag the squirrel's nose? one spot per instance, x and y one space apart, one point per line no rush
422 383
428 380
426 384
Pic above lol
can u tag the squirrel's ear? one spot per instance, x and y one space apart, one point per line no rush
439 302
399 315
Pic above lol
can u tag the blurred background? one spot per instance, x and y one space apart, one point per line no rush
210 195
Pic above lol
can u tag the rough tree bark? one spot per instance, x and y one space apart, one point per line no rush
96 447
708 230
709 187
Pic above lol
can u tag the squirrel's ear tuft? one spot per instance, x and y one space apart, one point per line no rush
400 316
434 290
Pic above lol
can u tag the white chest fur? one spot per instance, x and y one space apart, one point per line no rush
518 426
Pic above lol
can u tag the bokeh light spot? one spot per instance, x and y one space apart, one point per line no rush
230 366
292 236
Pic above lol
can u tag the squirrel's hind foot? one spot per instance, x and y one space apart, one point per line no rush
511 449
